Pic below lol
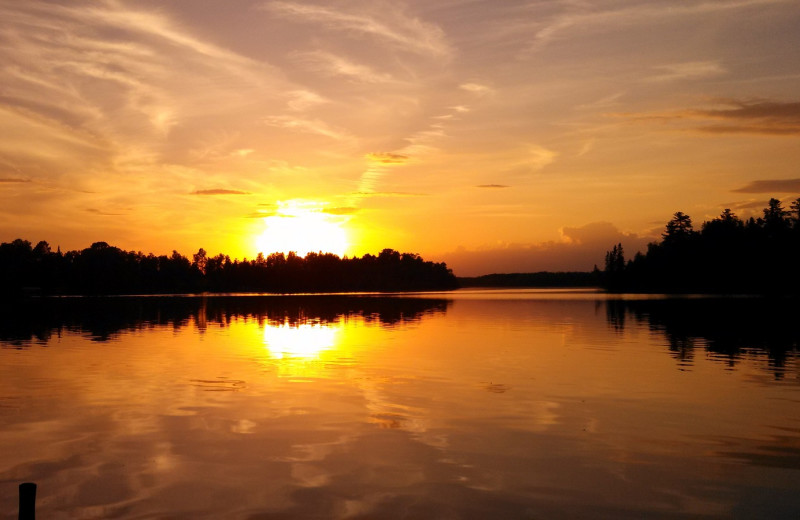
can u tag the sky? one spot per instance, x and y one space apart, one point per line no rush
509 136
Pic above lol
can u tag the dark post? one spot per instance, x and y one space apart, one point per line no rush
27 501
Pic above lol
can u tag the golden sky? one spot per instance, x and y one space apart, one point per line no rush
496 136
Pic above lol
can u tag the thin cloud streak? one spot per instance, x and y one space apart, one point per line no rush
584 17
331 65
409 34
687 70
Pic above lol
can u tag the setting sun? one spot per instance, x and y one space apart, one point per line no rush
303 227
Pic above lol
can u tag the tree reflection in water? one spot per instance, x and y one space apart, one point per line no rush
35 321
729 329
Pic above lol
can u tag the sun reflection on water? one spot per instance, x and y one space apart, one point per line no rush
305 340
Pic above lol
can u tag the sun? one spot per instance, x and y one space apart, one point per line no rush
303 227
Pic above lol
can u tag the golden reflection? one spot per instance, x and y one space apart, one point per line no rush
305 340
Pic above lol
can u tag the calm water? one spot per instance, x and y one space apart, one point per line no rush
473 404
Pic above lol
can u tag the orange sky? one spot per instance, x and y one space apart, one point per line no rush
496 136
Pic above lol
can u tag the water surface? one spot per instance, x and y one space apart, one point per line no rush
472 404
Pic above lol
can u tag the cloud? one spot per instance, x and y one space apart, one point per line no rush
586 148
12 180
301 100
99 212
387 158
761 117
315 126
771 186
118 89
219 191
593 233
687 70
541 157
746 205
492 186
587 17
340 211
332 65
580 250
475 88
393 28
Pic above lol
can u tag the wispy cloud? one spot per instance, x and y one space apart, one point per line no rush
587 147
771 186
746 205
300 100
541 157
475 88
103 87
687 70
492 186
390 27
311 126
11 180
219 191
581 17
329 65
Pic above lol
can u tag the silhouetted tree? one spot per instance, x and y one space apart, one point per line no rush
679 228
727 255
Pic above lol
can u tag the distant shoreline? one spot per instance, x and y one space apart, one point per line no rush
542 279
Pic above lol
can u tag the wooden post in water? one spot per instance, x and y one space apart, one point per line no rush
27 501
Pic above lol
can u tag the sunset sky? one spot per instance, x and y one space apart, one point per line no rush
497 136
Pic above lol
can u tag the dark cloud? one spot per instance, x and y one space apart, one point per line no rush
387 158
771 186
762 117
340 211
492 186
12 180
759 110
218 191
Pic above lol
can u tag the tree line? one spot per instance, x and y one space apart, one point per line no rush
104 269
726 255
543 279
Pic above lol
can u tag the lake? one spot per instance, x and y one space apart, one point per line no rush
473 404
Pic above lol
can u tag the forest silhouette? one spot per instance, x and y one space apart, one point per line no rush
103 269
727 255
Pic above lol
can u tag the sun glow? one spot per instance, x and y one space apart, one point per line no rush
303 227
